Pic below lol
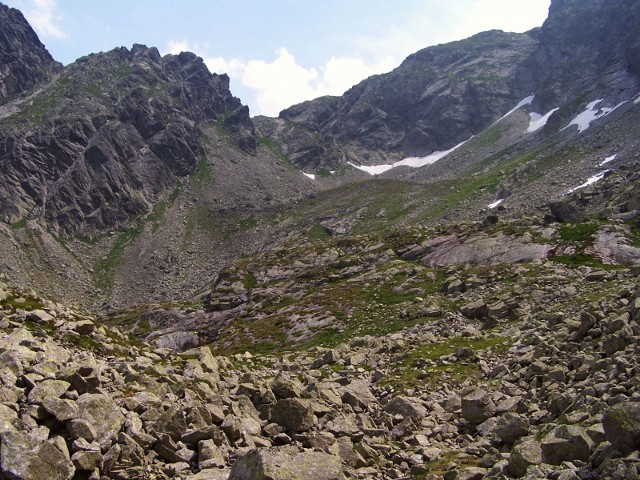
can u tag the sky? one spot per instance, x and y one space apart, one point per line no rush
277 52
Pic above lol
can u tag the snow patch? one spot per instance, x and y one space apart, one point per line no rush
496 203
373 169
310 175
538 120
596 178
637 100
413 162
522 103
607 160
591 113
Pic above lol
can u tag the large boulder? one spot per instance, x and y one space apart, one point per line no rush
477 406
23 457
405 406
524 455
566 443
282 463
294 414
101 412
622 426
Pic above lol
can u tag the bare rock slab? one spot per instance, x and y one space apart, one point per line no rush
283 463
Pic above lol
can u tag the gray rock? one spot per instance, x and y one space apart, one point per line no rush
84 327
622 426
60 408
22 457
101 412
87 460
524 455
566 443
285 463
293 414
511 426
209 455
406 407
358 394
81 428
47 388
477 309
477 406
284 387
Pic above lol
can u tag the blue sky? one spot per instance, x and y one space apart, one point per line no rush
277 52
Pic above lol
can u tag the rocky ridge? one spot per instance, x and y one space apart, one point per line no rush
110 137
25 63
444 95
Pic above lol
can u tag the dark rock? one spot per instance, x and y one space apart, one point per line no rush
25 63
622 426
566 443
477 406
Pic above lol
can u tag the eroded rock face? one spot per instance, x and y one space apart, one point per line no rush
101 144
480 248
25 63
390 116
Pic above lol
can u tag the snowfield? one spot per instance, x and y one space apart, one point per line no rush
537 120
584 119
607 160
413 162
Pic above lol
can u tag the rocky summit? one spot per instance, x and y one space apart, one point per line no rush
187 292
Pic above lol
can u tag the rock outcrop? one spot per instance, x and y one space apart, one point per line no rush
25 63
109 138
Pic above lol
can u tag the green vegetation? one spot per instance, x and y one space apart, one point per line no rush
424 364
203 175
485 177
103 270
19 224
25 302
443 464
580 260
578 233
250 281
156 217
634 227
275 148
318 232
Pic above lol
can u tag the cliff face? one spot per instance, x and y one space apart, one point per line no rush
99 145
24 61
438 97
586 51
442 95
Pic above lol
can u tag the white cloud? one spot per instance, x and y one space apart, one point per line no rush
283 82
435 22
177 46
279 83
231 67
269 86
42 15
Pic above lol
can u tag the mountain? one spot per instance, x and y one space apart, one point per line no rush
443 95
178 300
103 142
